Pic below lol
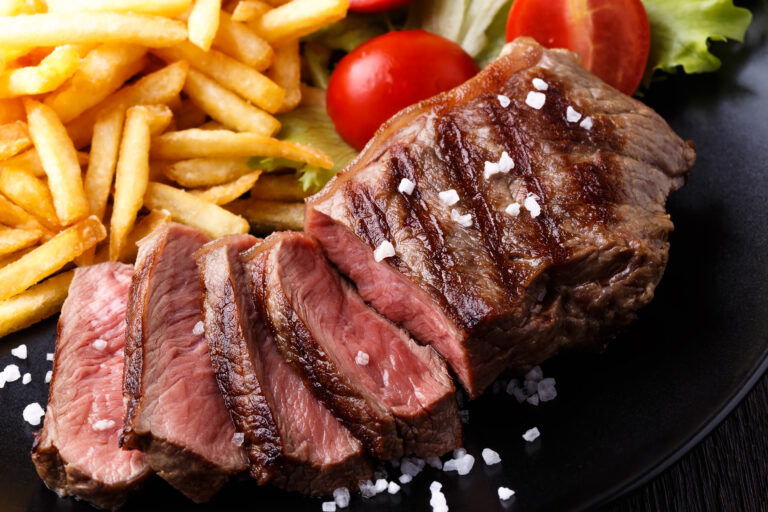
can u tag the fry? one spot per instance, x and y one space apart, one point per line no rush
228 192
34 304
49 257
11 109
234 75
144 226
12 240
156 88
203 23
14 138
29 161
242 43
247 10
188 209
298 18
286 72
103 71
45 77
12 215
13 8
226 107
55 29
205 172
188 115
169 8
278 187
31 194
265 217
59 160
196 143
104 149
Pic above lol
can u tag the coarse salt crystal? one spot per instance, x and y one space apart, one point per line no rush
531 434
409 467
238 438
329 506
380 485
26 379
11 373
99 344
435 486
33 413
393 488
438 502
362 358
198 329
459 452
535 99
503 100
546 390
513 209
533 400
491 457
531 386
540 84
384 250
404 479
505 493
341 496
462 220
535 374
532 205
48 375
504 165
49 356
571 115
587 123
20 351
103 424
435 462
367 489
448 197
406 186
464 465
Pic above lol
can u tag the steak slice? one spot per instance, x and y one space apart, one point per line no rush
393 394
485 285
291 439
76 452
175 412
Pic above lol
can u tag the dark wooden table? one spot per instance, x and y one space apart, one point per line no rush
726 472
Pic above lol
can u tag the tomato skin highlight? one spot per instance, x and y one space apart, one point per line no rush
376 5
613 37
388 73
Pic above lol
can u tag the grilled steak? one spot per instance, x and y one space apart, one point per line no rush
77 452
292 440
486 284
394 395
175 413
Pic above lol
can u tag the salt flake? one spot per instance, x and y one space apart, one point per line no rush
341 496
532 205
535 99
362 358
503 100
531 434
587 123
491 457
505 493
513 209
329 506
393 488
198 329
571 115
448 197
103 425
406 186
20 351
26 379
48 375
99 344
33 413
463 220
384 250
540 84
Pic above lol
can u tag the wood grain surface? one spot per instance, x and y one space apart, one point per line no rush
728 471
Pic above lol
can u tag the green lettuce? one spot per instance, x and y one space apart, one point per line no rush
681 30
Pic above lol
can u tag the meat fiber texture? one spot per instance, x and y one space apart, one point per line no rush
77 452
175 412
489 284
291 439
393 394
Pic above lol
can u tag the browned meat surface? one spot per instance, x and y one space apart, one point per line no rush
175 412
393 394
76 453
493 288
291 439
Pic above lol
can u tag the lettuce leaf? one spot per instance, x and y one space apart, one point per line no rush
495 36
681 30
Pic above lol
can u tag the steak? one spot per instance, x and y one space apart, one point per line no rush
291 439
393 394
76 452
175 413
557 232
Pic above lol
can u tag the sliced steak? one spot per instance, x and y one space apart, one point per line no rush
77 453
393 394
175 412
291 439
487 286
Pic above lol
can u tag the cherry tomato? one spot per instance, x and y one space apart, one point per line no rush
376 5
388 73
612 36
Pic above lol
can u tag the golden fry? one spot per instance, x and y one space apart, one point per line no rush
34 304
205 172
298 18
12 215
279 187
265 217
107 133
144 226
247 10
52 71
188 209
286 72
31 194
12 240
203 23
14 138
30 162
49 257
169 8
228 192
59 160
242 43
11 109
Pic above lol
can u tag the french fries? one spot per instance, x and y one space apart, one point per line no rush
240 42
196 143
12 215
278 187
247 10
146 225
226 107
12 240
55 29
49 257
228 192
169 8
188 209
267 216
29 160
59 160
286 72
298 18
29 193
11 109
35 304
205 172
107 133
203 23
52 71
14 138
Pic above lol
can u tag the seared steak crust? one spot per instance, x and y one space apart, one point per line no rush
509 289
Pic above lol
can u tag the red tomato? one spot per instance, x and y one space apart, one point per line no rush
388 73
612 36
375 5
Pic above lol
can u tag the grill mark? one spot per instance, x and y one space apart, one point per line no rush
595 190
370 221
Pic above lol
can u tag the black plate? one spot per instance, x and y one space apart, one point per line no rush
620 418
